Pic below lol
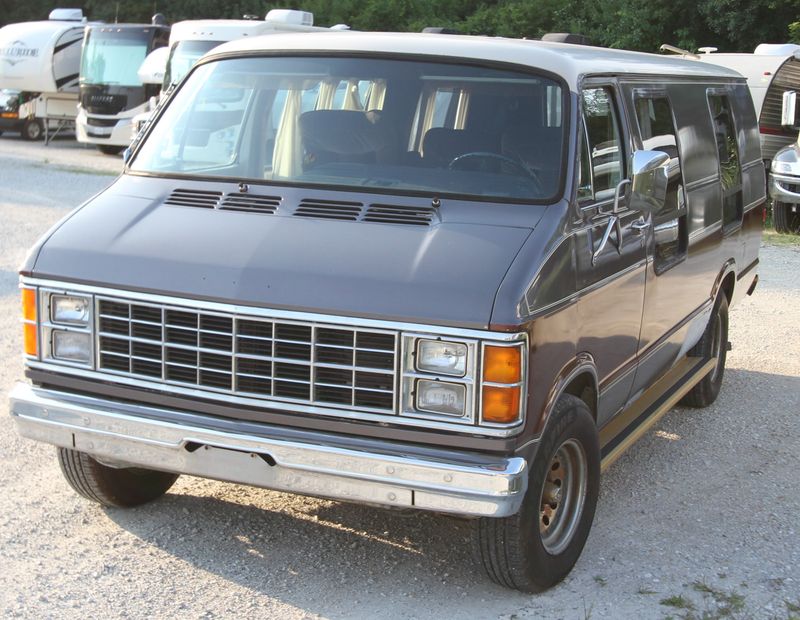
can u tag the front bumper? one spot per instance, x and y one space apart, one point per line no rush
784 188
127 434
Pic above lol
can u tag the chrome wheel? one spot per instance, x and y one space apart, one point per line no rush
563 496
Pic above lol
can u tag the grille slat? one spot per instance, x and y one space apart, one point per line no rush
268 359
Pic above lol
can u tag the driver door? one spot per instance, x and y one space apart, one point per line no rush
611 258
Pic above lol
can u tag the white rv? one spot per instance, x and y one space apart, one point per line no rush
40 61
771 70
189 40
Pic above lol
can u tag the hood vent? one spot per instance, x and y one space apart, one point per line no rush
329 209
251 202
390 214
194 198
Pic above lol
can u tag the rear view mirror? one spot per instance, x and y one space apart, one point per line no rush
790 114
649 185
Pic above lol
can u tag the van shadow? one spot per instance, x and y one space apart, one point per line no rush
321 556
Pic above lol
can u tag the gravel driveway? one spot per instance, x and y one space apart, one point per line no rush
702 515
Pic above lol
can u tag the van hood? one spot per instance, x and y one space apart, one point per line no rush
447 273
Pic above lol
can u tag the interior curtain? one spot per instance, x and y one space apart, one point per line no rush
287 158
327 92
377 93
352 101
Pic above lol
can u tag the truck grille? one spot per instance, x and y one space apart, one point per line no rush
272 359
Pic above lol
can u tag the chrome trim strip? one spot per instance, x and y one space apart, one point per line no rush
700 183
308 317
753 205
752 164
587 289
702 233
126 435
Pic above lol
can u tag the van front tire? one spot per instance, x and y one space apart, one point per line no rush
109 486
537 547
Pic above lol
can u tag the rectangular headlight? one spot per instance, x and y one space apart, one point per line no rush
441 397
69 309
442 358
72 346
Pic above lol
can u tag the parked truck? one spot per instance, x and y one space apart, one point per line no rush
39 64
111 92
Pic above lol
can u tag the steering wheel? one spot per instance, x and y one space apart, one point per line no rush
519 169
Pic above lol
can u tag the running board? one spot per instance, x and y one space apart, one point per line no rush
626 428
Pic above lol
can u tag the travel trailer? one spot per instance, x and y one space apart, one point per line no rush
784 178
467 287
39 64
111 92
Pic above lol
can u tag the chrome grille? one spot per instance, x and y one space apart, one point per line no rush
309 363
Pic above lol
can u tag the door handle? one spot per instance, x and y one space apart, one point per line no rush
640 225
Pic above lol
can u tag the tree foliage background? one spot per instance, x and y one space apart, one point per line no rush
730 25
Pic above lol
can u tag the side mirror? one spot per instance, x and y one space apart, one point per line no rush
649 184
126 155
790 114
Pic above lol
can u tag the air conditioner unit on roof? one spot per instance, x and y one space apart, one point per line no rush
287 16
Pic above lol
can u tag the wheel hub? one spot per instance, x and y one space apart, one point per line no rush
563 495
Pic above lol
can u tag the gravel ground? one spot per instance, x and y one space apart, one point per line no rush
702 512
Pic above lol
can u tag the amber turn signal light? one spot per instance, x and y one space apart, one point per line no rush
28 304
502 364
30 339
500 404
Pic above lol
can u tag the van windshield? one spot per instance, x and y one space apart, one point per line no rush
359 123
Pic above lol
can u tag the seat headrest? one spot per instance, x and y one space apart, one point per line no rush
343 132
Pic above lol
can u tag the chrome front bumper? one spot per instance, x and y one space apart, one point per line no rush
125 434
779 188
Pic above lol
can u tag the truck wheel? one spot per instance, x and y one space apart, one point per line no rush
106 149
122 488
779 216
784 220
715 343
536 548
33 129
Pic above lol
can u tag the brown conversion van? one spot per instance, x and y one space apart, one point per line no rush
430 272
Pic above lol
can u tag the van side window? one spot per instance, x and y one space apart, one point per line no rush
603 133
728 152
657 130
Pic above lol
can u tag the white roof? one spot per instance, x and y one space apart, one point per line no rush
229 29
568 61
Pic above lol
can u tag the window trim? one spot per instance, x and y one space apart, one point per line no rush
613 86
566 144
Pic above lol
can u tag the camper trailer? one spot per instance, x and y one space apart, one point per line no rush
39 64
111 92
771 70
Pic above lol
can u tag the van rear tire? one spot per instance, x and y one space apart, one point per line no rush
715 343
109 486
537 547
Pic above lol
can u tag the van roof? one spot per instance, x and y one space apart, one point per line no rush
566 60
